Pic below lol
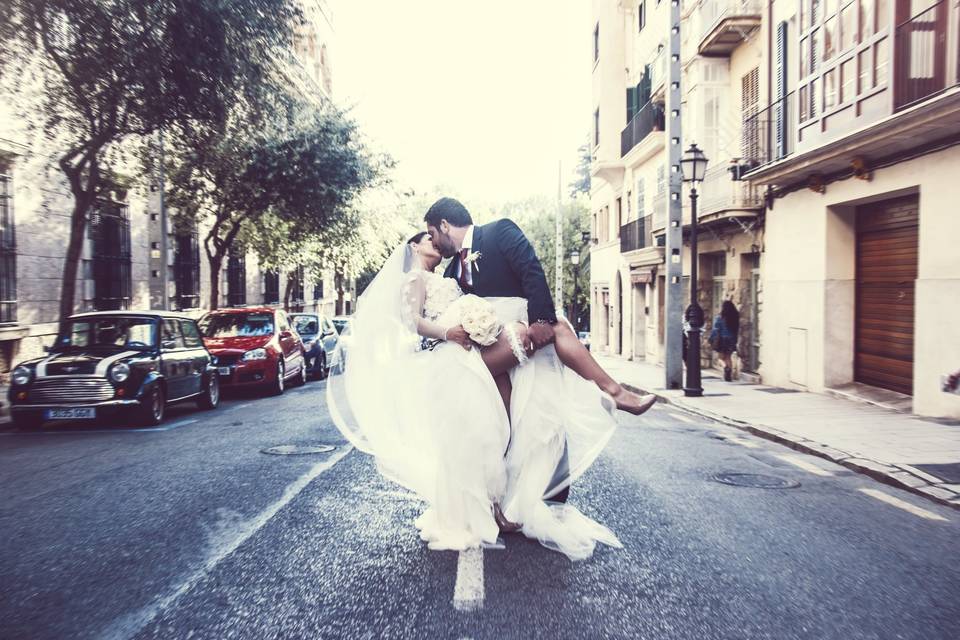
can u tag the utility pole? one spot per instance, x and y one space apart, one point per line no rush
558 285
164 251
673 316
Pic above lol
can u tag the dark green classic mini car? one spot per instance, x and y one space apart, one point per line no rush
116 364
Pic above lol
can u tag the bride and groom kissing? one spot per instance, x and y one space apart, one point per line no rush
469 391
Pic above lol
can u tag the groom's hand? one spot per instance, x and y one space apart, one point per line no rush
540 334
459 335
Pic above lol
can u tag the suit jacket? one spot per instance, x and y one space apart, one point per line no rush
508 267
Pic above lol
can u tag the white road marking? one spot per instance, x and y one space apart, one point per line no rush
468 594
749 444
130 625
65 432
682 418
903 504
798 461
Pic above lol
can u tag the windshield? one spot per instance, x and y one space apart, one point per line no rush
306 325
123 333
340 324
237 325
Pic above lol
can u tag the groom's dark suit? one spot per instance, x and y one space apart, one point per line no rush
508 267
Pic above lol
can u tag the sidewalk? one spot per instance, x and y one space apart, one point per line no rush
921 455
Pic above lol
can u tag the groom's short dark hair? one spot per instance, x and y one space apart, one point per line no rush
449 209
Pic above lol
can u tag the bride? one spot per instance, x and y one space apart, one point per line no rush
432 415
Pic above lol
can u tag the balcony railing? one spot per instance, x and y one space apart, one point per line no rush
726 23
633 235
920 56
719 192
648 119
658 70
771 134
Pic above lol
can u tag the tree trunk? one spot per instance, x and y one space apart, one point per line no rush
287 290
71 264
216 266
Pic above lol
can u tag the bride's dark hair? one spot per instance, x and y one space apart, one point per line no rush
418 237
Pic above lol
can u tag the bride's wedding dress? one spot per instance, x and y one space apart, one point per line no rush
431 414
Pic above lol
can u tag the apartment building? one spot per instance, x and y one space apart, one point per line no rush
122 256
721 82
855 148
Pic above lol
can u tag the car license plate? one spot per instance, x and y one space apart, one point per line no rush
224 371
88 413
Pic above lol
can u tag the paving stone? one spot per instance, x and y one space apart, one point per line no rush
932 479
872 465
937 492
908 479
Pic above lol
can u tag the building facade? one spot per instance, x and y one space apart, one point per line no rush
122 256
721 67
831 129
856 150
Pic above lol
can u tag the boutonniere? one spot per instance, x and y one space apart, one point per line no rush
472 258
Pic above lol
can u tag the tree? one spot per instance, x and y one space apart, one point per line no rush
581 184
117 70
288 183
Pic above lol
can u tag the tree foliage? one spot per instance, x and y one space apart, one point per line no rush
113 70
287 186
581 183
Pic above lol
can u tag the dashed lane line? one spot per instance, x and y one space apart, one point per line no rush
903 504
799 462
468 593
131 624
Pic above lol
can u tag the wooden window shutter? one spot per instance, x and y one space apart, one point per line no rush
780 110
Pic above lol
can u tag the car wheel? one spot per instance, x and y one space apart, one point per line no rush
152 408
279 384
26 422
210 397
322 368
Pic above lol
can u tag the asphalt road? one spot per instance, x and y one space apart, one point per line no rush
191 531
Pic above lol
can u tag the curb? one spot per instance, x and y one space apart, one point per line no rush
902 477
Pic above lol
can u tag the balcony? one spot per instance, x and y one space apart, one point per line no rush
648 119
770 135
921 56
633 235
727 23
722 198
657 68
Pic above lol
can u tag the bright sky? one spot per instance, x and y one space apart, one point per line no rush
483 98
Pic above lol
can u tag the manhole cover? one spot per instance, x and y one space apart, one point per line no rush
298 449
755 480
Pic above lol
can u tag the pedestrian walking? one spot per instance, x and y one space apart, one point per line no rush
723 337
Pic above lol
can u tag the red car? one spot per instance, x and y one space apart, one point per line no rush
254 347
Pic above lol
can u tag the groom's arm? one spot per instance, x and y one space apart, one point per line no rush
523 260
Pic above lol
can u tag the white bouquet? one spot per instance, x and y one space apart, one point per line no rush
478 319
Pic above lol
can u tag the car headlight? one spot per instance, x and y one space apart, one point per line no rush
120 372
21 375
255 354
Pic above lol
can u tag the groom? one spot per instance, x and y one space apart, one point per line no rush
510 269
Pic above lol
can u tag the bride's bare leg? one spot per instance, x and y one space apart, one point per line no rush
573 354
505 387
499 357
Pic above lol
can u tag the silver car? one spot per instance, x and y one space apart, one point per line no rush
320 340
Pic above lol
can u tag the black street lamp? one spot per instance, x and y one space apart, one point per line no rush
693 167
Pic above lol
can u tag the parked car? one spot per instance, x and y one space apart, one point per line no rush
320 339
584 338
341 323
254 347
112 364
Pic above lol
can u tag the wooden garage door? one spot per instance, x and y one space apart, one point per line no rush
886 273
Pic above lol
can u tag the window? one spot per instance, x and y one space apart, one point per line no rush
866 71
867 27
641 205
880 62
848 27
170 336
237 277
271 287
191 335
8 252
596 42
318 290
848 80
641 16
619 212
749 106
110 232
186 266
596 127
233 324
830 89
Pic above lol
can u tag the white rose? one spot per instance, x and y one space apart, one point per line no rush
479 320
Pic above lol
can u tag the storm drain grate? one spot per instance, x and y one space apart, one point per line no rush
755 481
298 449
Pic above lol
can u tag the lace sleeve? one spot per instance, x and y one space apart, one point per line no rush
414 297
